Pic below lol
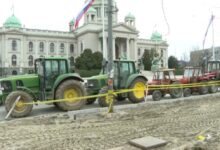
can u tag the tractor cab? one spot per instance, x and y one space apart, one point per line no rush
48 69
214 69
163 76
122 71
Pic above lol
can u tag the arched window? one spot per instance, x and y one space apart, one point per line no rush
14 72
14 60
62 48
81 47
52 47
71 48
139 51
14 45
41 47
71 61
30 60
31 46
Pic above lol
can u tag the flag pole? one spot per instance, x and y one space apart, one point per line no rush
103 31
213 40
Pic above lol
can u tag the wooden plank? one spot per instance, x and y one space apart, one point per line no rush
147 142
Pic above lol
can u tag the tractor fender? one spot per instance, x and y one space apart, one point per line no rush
29 91
133 77
65 77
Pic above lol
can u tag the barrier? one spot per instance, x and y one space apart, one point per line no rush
110 95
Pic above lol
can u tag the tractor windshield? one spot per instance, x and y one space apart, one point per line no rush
158 75
39 67
213 66
172 76
188 73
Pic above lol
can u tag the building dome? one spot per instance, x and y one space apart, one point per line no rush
72 22
13 22
156 36
92 10
129 16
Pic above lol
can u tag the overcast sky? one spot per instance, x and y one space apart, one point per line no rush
188 19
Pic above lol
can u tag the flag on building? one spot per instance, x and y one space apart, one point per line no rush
83 11
210 22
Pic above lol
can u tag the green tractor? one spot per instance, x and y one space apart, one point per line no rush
126 76
52 80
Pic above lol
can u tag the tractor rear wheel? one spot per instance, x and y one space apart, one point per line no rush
176 92
138 85
70 89
186 92
20 109
102 100
203 89
156 95
90 101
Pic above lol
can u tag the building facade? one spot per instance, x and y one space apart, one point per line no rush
20 46
198 57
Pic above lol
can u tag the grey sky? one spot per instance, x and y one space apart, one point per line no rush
188 19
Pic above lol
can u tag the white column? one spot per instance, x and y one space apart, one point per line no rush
135 49
128 48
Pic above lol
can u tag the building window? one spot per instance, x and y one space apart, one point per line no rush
71 48
14 60
14 45
31 46
93 17
62 48
81 47
52 47
71 61
41 47
14 72
161 51
139 51
30 60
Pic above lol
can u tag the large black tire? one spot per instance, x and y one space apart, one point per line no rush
137 96
213 89
102 100
90 101
20 110
67 90
203 89
187 92
176 92
156 95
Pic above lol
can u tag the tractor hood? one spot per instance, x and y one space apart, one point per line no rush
20 77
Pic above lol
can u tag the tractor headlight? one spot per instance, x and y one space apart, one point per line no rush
85 83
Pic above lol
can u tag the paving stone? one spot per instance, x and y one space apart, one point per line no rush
147 142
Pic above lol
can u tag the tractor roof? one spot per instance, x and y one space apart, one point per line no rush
165 69
191 67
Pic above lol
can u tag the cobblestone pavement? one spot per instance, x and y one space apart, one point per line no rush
178 122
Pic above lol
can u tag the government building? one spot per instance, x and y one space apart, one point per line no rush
19 46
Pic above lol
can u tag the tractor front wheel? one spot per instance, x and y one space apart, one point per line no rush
203 89
186 92
157 95
69 90
138 85
103 102
20 109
